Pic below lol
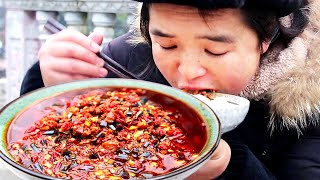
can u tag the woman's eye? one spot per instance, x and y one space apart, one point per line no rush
168 47
214 54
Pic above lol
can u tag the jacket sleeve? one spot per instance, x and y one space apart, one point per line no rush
119 50
32 80
302 161
244 164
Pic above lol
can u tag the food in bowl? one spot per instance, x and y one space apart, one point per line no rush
199 117
209 94
102 133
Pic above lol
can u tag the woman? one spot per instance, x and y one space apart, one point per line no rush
235 47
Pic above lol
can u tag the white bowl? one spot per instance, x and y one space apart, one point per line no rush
230 109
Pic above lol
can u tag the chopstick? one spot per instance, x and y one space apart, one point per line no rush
53 26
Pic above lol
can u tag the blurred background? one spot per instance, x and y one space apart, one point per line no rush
2 53
22 33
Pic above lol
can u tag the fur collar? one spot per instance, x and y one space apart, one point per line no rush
291 84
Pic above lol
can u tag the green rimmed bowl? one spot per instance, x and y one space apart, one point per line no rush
172 96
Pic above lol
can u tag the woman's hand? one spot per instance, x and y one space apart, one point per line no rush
216 165
70 55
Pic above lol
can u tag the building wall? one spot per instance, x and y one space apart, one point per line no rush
24 34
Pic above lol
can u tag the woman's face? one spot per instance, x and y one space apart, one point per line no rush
218 52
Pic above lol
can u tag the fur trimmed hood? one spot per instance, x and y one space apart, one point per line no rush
291 84
288 78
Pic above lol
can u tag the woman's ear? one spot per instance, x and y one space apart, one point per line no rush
265 46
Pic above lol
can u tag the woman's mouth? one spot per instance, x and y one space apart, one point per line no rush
209 93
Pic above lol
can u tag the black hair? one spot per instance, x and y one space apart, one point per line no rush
264 22
144 22
267 24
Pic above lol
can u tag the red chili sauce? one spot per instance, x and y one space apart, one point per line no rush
106 134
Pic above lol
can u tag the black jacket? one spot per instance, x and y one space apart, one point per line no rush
255 153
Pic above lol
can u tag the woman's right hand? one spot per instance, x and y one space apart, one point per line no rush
69 55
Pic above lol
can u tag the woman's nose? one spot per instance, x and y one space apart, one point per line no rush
191 71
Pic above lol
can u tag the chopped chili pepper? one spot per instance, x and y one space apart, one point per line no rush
104 134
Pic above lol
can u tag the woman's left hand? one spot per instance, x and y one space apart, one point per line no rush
216 165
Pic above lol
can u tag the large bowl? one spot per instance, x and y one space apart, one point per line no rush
37 98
